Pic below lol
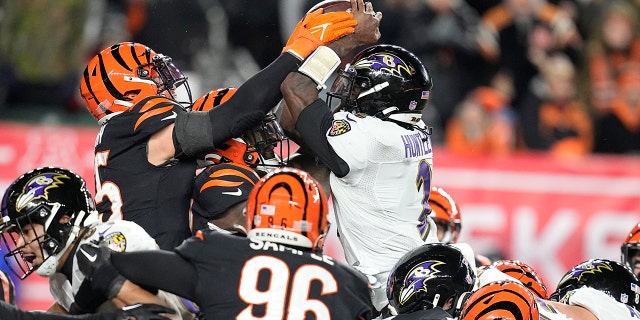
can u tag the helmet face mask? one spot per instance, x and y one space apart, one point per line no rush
630 250
256 146
170 78
383 80
341 91
446 214
42 211
264 138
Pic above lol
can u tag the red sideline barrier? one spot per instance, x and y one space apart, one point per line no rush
551 213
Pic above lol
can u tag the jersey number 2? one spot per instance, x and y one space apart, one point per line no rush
275 297
423 180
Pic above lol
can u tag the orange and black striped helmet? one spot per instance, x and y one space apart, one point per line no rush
125 73
501 300
523 272
288 206
630 246
253 147
446 214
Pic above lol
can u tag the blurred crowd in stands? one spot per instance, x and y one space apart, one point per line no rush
556 75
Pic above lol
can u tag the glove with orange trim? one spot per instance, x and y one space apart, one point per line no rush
318 29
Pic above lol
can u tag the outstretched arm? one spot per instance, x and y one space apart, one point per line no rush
300 91
129 277
198 132
149 269
305 117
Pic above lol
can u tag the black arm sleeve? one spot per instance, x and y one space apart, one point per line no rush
313 123
195 134
12 312
159 269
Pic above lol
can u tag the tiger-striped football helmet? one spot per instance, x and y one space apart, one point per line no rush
523 272
501 300
123 74
288 206
256 147
446 214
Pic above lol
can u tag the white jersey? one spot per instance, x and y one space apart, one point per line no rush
120 236
379 203
602 305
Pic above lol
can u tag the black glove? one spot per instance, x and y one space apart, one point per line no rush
94 261
141 311
86 300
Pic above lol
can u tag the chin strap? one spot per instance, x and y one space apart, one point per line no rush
459 304
50 264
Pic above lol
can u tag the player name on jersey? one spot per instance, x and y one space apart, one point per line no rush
415 145
257 244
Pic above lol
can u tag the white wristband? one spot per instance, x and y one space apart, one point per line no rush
319 65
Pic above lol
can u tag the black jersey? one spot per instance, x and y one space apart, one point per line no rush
129 187
242 278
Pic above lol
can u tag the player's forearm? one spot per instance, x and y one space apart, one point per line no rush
298 92
130 293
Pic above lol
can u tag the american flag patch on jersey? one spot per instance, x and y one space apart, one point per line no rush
267 209
425 95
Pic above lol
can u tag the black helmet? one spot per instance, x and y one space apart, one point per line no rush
429 276
43 196
383 80
604 275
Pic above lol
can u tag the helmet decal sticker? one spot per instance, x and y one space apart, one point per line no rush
417 278
385 61
38 188
589 267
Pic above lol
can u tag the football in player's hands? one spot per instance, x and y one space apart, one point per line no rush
332 6
142 311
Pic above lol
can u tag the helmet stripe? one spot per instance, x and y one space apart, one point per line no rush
87 83
107 82
120 60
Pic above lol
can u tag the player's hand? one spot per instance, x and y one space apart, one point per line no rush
141 311
317 29
94 261
367 31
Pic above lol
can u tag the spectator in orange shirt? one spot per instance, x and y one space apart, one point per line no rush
517 34
552 116
613 59
484 122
